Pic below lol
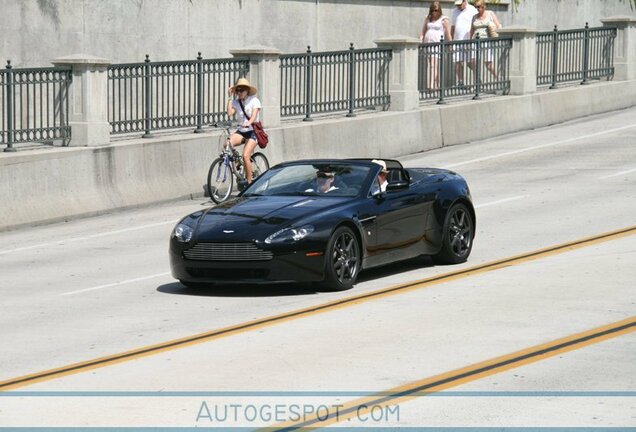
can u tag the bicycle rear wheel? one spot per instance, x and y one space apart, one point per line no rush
220 181
260 164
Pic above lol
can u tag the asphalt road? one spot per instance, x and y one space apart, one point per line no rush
96 287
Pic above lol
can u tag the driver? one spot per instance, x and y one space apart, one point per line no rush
323 182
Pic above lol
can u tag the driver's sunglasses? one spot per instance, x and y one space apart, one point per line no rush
241 89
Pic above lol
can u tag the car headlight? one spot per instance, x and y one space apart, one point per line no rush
288 235
185 229
183 233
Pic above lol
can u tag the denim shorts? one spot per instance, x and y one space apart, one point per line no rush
248 135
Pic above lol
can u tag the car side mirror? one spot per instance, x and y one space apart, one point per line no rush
396 186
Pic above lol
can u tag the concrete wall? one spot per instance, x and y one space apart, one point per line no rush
60 183
36 31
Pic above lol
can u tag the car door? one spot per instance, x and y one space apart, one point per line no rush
395 223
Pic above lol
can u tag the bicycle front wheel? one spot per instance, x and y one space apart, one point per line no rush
260 164
220 181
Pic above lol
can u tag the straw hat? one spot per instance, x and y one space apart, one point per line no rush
243 82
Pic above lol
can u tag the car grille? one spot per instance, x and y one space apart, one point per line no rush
227 252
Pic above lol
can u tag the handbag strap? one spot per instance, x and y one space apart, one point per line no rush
243 109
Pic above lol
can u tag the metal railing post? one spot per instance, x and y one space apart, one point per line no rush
586 53
9 147
199 128
148 98
352 79
441 71
308 78
477 70
555 48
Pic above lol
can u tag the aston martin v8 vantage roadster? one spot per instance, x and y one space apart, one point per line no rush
325 221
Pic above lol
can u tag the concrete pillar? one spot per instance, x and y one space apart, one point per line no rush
402 72
265 75
88 116
523 59
624 46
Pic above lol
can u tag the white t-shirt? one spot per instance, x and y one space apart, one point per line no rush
250 103
463 20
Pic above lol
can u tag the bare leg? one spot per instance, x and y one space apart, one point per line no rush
247 155
491 69
459 71
236 140
471 66
432 76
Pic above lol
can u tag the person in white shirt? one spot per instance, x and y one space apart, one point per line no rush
323 182
380 184
247 107
461 23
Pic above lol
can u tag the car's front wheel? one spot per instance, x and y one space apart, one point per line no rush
458 232
342 260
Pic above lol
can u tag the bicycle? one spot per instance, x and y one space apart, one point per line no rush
229 165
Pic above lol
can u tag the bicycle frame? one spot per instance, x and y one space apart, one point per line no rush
231 159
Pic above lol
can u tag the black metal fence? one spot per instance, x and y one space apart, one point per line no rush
35 105
575 55
334 81
169 95
464 68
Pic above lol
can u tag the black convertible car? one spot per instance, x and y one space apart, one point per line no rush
324 221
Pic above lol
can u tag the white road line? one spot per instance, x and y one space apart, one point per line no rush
115 284
485 158
618 174
72 239
501 201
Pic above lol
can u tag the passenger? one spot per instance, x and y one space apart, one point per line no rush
380 184
247 106
323 182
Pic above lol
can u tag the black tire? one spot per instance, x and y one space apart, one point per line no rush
260 164
220 181
458 234
342 260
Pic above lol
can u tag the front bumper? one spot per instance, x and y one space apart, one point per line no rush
293 266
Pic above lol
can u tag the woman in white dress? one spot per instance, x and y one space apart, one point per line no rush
435 26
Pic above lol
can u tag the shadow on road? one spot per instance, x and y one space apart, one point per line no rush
395 268
290 289
239 290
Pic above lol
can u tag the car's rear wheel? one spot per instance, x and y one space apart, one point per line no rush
458 232
342 260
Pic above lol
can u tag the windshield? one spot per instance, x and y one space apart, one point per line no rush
317 179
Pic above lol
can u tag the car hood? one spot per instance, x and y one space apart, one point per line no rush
256 217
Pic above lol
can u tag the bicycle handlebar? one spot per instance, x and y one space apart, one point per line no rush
226 124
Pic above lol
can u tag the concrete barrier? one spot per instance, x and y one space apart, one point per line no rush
54 184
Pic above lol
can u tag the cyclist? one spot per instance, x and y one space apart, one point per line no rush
247 107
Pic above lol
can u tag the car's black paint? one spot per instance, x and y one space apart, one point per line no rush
404 222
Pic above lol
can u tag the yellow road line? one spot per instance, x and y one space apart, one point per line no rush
361 407
308 311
